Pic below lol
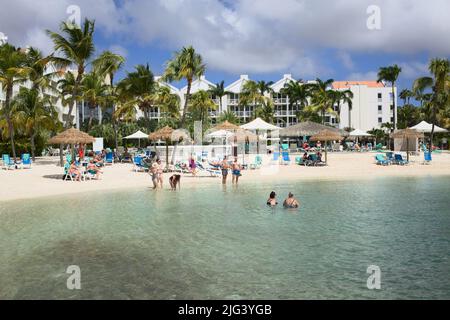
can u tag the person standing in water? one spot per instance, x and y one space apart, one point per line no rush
272 201
154 174
236 170
160 173
291 202
224 166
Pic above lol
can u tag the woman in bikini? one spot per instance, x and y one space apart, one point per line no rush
291 202
272 201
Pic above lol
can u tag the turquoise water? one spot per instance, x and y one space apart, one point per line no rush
214 243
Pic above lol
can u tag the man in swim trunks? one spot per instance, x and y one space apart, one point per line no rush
291 202
236 171
224 166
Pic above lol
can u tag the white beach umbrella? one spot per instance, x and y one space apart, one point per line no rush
138 135
259 124
426 127
359 133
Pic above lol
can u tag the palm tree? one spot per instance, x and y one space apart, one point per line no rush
13 71
408 115
168 102
420 85
322 99
298 93
251 94
109 63
406 96
265 87
94 92
228 116
36 112
390 74
266 111
188 65
76 45
345 97
218 91
139 86
200 105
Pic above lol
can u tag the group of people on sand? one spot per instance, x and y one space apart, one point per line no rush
290 202
91 168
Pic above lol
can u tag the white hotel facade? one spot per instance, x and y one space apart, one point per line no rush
372 103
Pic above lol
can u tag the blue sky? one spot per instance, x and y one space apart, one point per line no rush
262 38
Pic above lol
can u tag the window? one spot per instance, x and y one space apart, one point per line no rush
380 96
380 108
380 120
392 119
392 107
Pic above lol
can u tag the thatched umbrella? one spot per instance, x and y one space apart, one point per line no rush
226 126
243 136
407 134
326 135
308 128
72 136
168 134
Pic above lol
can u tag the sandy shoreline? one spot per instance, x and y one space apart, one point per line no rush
44 179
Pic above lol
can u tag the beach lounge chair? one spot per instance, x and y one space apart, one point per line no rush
381 160
285 157
211 170
314 161
178 168
399 160
390 157
427 157
67 175
257 164
137 164
276 156
109 158
7 162
26 160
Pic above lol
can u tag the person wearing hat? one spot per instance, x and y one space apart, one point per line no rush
291 202
272 201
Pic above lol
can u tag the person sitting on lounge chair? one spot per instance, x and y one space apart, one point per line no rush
98 160
93 169
291 202
74 171
193 166
319 156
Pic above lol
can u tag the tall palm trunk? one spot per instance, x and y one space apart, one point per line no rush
33 146
91 117
9 92
183 118
349 118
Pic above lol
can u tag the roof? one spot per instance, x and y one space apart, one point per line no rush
308 128
347 84
277 86
236 87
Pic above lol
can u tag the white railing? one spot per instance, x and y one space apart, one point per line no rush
233 101
280 100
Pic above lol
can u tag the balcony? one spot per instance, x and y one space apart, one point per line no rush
154 115
280 100
233 102
243 114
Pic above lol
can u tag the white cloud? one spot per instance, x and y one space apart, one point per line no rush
248 35
118 49
414 70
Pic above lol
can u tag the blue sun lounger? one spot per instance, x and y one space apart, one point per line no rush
7 162
26 160
399 160
381 160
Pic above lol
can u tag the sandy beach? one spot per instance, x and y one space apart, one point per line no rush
44 179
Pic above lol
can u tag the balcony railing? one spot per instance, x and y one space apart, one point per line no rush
281 113
154 115
233 101
243 114
280 101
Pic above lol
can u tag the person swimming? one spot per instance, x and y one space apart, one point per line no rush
291 202
272 201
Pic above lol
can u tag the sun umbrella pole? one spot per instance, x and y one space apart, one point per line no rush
167 155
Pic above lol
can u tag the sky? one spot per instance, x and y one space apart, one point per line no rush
338 39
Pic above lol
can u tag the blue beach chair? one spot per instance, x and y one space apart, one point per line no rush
381 160
285 157
137 164
427 157
399 160
26 160
7 162
109 158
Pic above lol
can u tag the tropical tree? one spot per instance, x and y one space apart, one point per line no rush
218 91
13 71
265 87
406 96
200 105
138 86
298 93
251 94
75 44
95 92
229 116
390 74
408 116
168 102
345 97
36 113
323 99
108 64
266 111
187 65
439 84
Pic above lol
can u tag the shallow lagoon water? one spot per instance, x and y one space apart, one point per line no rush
215 243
